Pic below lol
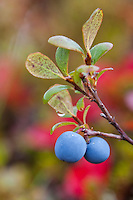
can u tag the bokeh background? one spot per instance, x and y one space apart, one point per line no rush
29 169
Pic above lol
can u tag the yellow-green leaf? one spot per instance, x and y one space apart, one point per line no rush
68 115
41 66
91 27
62 102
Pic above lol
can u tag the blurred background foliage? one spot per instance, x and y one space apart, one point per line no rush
29 169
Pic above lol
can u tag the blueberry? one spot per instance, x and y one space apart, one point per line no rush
97 150
70 147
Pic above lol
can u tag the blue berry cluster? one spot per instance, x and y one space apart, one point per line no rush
71 147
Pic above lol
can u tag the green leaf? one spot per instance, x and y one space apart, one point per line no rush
54 90
61 124
76 129
80 104
102 71
85 114
77 92
66 43
41 66
77 79
62 102
62 56
91 27
71 73
99 50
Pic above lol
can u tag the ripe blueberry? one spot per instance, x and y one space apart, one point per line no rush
70 147
97 150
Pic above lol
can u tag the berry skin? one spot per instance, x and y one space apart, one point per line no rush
97 150
70 147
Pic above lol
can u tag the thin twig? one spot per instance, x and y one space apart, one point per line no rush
76 87
77 120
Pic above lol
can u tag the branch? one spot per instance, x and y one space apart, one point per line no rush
76 87
105 113
90 132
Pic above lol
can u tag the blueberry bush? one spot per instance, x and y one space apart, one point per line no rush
71 146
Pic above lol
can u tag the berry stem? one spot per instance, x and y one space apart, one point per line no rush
90 132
